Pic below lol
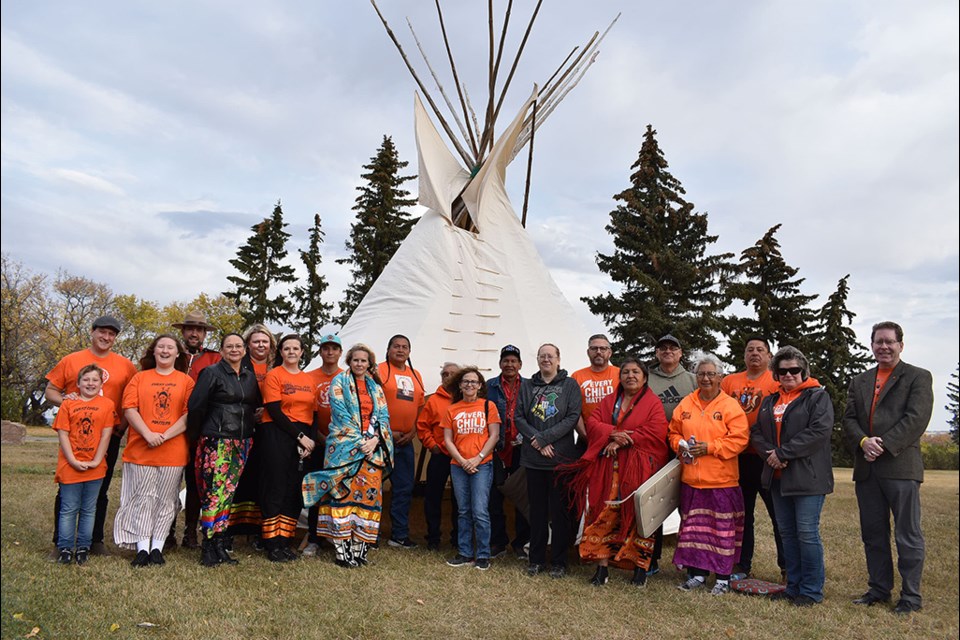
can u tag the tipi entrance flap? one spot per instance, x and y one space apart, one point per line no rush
441 177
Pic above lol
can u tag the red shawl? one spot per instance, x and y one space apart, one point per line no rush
648 426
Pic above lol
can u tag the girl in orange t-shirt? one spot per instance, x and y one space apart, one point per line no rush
287 438
471 427
83 426
155 406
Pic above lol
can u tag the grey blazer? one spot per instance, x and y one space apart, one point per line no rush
900 418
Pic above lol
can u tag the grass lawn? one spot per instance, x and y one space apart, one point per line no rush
413 594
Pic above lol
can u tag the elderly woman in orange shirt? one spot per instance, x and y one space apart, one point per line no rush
708 431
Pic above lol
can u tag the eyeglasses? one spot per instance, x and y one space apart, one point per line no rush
668 347
885 343
707 374
793 371
598 348
469 383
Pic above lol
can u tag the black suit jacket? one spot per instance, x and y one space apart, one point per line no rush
900 418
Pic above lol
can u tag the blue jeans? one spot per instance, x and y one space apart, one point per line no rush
798 518
473 497
401 492
79 498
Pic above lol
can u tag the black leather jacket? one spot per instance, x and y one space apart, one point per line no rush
223 403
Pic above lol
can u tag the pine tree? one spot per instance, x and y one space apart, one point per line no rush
769 286
837 358
953 395
668 281
311 312
260 264
382 224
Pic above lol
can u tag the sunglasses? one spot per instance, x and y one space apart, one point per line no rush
794 371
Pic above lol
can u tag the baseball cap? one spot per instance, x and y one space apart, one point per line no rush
331 339
510 350
669 338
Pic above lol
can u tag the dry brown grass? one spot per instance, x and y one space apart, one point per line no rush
414 594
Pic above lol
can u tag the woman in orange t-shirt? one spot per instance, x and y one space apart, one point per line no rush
471 427
155 406
287 438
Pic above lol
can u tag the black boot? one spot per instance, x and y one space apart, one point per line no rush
208 553
639 577
221 552
601 577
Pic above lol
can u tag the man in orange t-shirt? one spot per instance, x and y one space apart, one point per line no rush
598 380
331 348
62 384
749 388
403 387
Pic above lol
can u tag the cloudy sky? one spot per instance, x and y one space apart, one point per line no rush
141 140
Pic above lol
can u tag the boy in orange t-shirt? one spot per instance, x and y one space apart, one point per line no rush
83 427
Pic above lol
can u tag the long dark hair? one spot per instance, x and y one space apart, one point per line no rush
646 375
416 376
149 361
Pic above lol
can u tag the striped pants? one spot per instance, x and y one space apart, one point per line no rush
149 501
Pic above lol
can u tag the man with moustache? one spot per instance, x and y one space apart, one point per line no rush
194 330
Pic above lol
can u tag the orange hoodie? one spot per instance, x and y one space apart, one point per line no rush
786 397
720 423
428 424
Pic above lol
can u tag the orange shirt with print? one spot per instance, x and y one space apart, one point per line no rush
160 400
84 421
595 386
469 422
322 381
749 393
117 372
296 393
405 396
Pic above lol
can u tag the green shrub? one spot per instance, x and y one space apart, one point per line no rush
940 455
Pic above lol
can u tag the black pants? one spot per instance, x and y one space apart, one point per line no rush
751 468
548 506
438 472
113 452
498 523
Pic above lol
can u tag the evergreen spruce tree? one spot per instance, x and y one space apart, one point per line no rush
836 359
382 224
668 281
769 286
311 312
260 266
953 406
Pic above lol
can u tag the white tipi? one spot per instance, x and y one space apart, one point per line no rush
459 294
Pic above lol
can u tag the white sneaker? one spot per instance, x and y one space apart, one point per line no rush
310 550
720 589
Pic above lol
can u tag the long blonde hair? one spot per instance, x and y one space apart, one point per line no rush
372 360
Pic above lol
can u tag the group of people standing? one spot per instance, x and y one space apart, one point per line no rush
260 439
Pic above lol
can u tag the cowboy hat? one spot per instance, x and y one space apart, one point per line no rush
194 319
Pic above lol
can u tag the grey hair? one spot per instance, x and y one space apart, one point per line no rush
699 357
790 353
450 364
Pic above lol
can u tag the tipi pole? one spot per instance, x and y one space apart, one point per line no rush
456 80
526 188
